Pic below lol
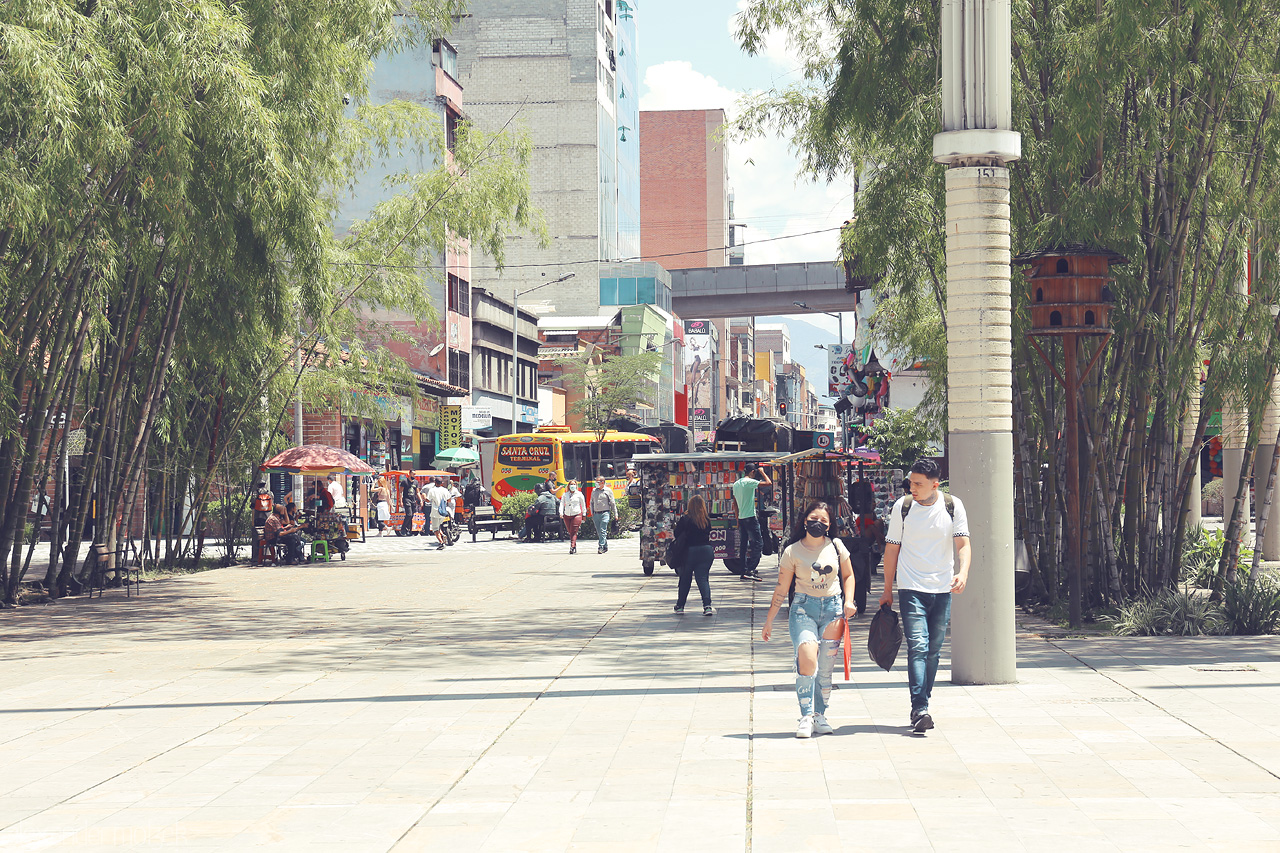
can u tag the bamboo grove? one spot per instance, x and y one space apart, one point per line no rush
1148 128
170 176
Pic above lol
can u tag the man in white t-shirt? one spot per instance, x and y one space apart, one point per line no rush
437 494
926 555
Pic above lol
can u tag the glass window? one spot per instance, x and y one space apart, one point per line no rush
626 291
608 291
647 288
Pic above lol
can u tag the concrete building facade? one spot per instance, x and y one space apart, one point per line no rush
552 68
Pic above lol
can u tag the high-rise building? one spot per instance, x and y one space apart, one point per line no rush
565 72
439 354
684 188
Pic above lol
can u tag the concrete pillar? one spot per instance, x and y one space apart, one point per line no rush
1270 535
980 412
975 144
1189 421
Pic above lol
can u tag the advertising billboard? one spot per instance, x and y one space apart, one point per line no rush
840 366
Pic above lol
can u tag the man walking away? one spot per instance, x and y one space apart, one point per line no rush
927 556
438 506
749 541
603 508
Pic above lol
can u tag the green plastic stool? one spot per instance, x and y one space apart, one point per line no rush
318 545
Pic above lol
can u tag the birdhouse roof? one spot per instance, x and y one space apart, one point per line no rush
1067 250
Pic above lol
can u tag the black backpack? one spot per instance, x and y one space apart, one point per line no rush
471 495
884 637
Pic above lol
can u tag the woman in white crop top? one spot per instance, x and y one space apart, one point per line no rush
823 576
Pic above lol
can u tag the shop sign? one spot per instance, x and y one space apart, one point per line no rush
700 418
426 413
476 417
450 427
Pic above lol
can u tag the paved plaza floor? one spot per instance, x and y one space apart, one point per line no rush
507 697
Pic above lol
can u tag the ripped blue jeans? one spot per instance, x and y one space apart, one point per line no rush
808 618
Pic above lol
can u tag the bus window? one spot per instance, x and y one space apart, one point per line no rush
643 447
578 461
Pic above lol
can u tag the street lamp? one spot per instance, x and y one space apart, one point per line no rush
839 319
515 339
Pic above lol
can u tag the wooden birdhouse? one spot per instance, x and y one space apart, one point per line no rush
1070 289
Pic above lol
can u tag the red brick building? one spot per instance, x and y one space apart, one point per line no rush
684 189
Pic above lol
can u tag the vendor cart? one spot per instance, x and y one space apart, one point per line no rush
669 480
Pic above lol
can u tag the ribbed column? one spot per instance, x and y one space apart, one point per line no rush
1189 420
1270 536
980 412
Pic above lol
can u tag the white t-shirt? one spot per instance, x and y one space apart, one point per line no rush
435 494
926 561
339 497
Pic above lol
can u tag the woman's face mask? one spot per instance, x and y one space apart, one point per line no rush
816 527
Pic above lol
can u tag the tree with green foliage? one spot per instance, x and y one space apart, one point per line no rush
902 436
168 183
1147 128
608 386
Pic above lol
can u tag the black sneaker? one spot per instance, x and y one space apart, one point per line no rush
679 608
753 576
921 723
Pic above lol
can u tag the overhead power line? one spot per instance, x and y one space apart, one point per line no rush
698 251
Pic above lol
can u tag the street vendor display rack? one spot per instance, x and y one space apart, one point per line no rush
669 480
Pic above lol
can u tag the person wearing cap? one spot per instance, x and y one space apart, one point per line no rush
750 542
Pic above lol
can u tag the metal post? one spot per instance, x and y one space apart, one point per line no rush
1075 524
515 355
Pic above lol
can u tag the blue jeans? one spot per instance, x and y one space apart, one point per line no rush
808 618
601 520
697 566
925 617
750 544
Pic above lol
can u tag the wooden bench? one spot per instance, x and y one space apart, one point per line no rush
484 518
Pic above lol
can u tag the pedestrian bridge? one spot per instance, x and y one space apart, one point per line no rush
759 290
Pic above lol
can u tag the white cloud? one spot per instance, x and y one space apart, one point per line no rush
769 197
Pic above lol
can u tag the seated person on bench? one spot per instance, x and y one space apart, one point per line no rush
279 530
543 508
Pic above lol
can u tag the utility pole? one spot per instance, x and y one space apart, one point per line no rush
515 342
976 144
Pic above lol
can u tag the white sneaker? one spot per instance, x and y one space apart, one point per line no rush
805 729
821 726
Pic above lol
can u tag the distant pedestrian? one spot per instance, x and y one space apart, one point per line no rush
409 503
380 497
818 566
926 555
603 509
573 506
750 543
694 530
437 500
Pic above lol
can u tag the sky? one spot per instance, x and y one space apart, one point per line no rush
689 60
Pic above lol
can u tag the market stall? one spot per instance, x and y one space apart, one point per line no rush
669 480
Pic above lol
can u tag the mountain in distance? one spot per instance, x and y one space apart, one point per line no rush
803 337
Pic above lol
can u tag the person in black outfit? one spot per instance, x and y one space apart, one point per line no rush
695 527
409 501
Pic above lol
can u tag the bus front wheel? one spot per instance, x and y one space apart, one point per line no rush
648 567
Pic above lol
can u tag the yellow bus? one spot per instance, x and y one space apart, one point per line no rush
556 455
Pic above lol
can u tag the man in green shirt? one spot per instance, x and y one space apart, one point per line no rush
749 540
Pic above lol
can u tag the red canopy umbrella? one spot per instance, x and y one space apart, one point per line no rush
315 459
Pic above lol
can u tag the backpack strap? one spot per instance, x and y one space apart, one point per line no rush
906 506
